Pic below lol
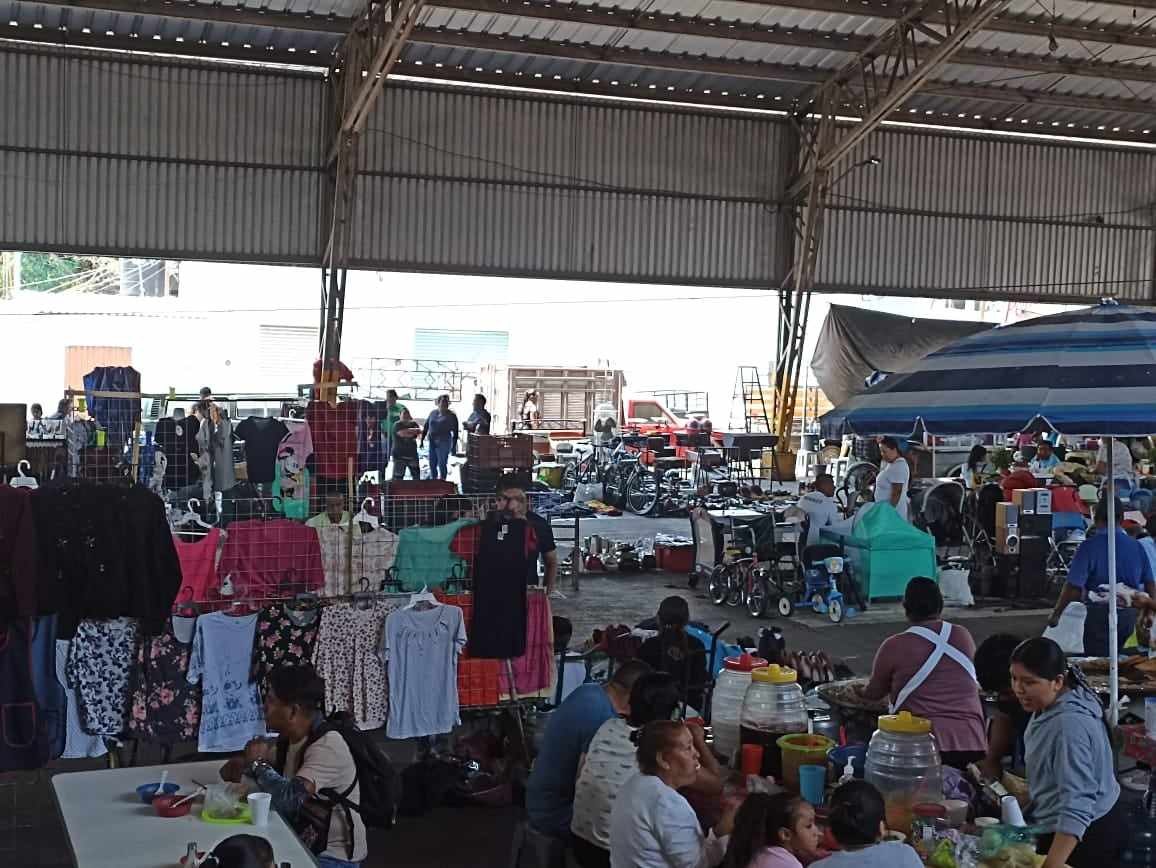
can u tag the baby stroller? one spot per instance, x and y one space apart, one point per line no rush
941 514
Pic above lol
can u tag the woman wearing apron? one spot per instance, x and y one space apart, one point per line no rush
928 670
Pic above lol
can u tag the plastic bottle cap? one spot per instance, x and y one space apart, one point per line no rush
744 663
774 674
905 722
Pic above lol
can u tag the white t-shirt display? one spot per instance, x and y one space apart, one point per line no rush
897 472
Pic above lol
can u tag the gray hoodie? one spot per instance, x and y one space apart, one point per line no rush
1071 772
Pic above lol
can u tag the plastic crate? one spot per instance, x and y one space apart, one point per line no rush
490 452
675 559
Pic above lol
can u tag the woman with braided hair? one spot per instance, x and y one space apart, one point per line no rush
1071 772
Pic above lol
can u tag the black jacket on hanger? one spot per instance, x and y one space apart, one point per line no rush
106 551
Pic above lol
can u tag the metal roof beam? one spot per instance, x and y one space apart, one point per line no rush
613 16
212 12
678 25
748 100
621 56
755 70
187 48
793 37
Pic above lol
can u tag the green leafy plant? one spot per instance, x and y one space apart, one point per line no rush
1001 458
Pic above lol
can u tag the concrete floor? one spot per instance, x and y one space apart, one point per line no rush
31 835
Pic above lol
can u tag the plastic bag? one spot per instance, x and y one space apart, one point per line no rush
588 491
955 587
1069 632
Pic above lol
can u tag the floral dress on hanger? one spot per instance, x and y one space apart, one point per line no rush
285 637
166 709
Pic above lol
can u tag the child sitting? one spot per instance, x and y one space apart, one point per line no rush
773 832
856 817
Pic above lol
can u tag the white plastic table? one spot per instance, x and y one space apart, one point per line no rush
109 827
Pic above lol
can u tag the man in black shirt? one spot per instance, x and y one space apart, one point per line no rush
676 652
405 434
512 500
479 421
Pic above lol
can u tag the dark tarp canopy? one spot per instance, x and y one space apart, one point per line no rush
854 344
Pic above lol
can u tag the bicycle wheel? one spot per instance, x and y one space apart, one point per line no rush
641 492
614 484
737 588
759 597
719 585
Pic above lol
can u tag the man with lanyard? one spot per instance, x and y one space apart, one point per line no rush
300 765
928 670
1088 579
512 500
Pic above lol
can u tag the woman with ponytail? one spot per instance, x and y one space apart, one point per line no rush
1071 771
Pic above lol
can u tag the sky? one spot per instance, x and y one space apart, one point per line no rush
663 337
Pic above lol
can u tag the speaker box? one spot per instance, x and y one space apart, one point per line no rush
1007 539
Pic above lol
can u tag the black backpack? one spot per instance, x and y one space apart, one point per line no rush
379 781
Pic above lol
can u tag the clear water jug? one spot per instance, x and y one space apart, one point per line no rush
772 707
903 763
726 707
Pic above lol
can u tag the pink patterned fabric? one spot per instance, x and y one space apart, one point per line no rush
534 670
271 559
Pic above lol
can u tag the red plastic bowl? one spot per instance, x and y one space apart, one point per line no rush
164 806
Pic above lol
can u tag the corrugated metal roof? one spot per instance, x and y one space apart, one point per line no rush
1095 61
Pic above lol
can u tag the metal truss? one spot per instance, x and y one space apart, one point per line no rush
364 60
876 81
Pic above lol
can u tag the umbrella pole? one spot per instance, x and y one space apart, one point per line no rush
1114 655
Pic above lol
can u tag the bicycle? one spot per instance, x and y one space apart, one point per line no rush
648 487
741 579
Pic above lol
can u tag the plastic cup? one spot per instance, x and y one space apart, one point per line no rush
259 804
752 759
813 783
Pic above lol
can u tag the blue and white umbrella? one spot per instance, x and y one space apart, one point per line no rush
1087 372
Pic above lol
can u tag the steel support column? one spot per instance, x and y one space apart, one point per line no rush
876 81
364 60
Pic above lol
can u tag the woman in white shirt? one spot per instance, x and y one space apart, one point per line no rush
610 763
651 825
894 476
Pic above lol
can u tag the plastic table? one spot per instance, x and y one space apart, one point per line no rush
109 827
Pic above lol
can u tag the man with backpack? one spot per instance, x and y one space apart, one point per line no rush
318 771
